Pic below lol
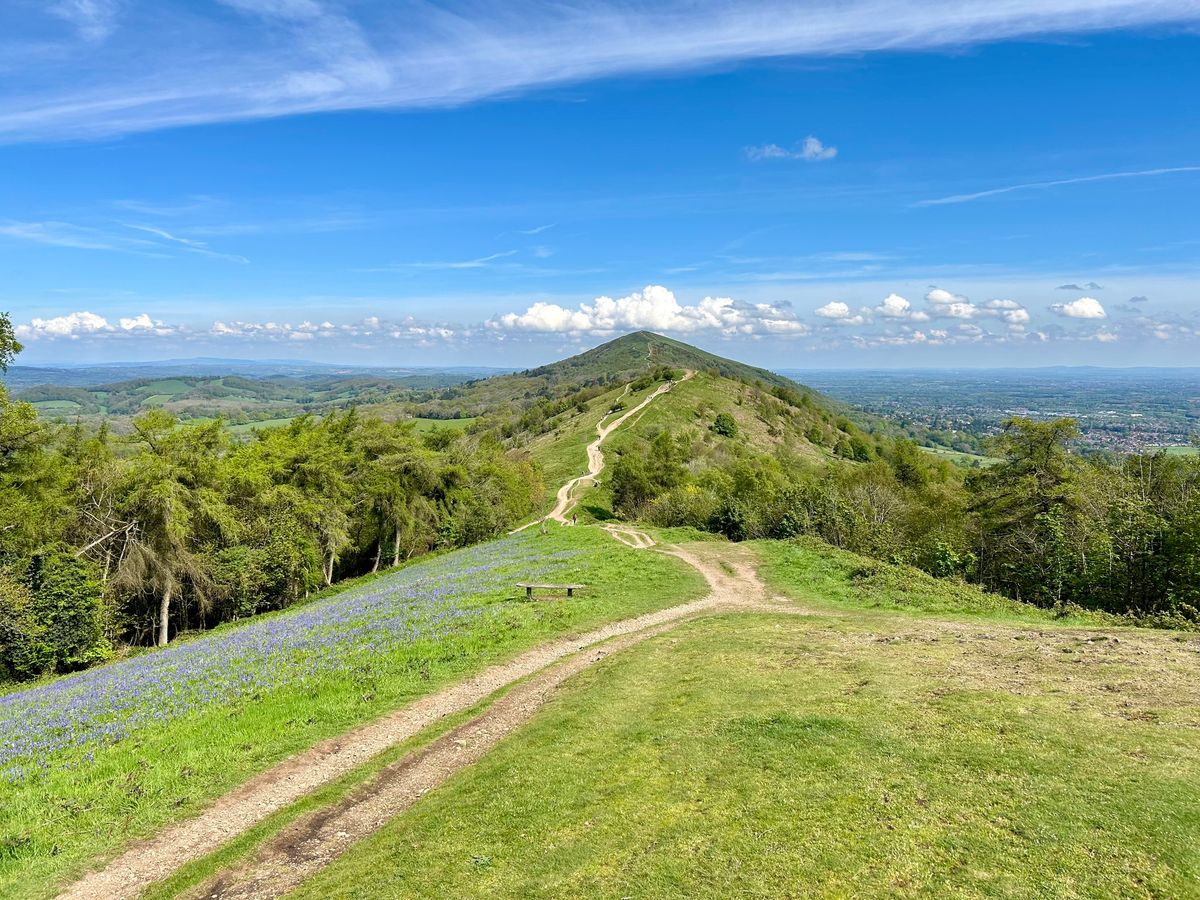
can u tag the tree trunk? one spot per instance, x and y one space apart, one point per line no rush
378 554
164 616
396 549
329 571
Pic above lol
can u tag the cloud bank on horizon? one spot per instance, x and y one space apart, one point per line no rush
140 66
943 319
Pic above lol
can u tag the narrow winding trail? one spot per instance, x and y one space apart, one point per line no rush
595 456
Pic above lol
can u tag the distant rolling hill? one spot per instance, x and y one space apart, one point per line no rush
553 411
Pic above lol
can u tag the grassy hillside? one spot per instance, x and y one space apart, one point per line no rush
772 415
91 761
845 752
613 363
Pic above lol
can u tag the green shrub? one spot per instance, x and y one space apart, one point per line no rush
725 425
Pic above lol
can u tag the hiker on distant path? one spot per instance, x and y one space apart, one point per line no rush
574 518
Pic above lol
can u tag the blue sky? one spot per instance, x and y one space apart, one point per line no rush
803 184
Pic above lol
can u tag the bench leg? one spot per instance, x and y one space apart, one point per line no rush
528 593
570 592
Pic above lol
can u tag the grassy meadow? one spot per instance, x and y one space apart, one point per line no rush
95 760
955 748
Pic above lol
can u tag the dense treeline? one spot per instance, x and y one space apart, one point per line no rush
132 539
1044 525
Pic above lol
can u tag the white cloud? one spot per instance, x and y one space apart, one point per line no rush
71 325
840 314
811 149
944 304
137 323
835 309
175 63
939 297
894 307
88 324
655 308
1083 308
960 310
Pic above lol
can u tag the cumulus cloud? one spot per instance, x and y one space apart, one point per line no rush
1009 311
76 325
71 325
938 295
894 307
840 314
654 308
811 149
1083 308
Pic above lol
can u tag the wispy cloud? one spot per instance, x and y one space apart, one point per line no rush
538 230
188 244
149 240
173 63
93 20
1043 185
481 262
811 149
78 237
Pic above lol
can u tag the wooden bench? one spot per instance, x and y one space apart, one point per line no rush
530 588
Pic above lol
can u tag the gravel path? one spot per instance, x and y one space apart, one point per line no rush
316 839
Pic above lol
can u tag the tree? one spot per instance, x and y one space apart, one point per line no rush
9 345
1028 507
171 505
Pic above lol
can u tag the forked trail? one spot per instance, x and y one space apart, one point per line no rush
317 838
313 841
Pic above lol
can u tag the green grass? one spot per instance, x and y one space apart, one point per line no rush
809 569
691 407
169 386
1182 451
53 826
423 425
860 754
